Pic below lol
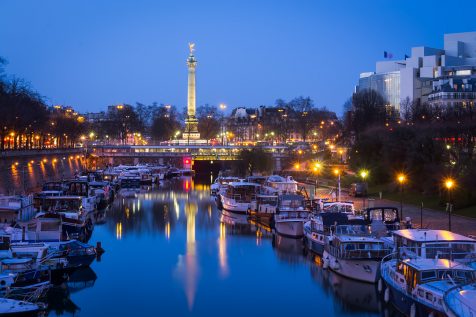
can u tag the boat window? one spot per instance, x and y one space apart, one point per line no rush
376 214
429 296
427 275
390 214
361 246
443 274
49 226
349 246
421 293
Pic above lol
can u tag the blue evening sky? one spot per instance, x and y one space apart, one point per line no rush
90 54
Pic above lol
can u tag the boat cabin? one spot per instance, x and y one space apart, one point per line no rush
282 185
242 192
291 202
264 204
430 244
416 272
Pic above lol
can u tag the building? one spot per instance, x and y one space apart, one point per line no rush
427 73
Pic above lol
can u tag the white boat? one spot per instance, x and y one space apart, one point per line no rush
460 301
264 206
16 208
290 216
317 230
238 196
281 185
220 184
12 307
353 252
426 243
416 286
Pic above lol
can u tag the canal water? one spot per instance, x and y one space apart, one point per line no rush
170 252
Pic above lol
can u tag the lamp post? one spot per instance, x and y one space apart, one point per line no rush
401 178
317 170
337 173
449 184
363 175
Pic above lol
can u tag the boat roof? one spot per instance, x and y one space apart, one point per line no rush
237 184
469 296
349 238
427 235
422 264
65 197
291 197
280 179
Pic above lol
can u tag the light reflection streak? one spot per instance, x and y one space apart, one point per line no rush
119 230
222 255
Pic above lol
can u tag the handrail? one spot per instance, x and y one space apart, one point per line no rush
446 298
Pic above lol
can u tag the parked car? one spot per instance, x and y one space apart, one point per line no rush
358 189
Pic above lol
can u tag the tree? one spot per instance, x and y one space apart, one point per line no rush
165 123
209 121
368 109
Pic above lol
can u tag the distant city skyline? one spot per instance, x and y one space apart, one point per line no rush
90 55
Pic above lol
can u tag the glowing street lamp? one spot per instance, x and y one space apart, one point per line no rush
401 178
449 184
364 174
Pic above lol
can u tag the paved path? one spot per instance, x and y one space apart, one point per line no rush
432 219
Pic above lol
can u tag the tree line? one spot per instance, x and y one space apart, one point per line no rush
26 122
428 143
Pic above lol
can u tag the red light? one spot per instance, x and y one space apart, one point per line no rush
187 161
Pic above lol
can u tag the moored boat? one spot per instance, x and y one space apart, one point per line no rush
238 196
353 252
290 216
460 301
416 286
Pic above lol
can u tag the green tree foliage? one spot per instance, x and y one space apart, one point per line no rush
165 123
209 121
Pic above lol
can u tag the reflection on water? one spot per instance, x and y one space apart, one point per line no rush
170 252
30 174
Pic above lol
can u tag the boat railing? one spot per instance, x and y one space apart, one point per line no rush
358 253
456 305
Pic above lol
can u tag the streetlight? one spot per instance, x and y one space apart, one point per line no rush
449 184
317 170
363 174
337 173
401 178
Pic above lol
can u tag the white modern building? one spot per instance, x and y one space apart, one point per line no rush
428 73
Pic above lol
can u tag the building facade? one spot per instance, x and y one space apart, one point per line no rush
427 74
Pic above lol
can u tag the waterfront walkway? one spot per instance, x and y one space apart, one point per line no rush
432 219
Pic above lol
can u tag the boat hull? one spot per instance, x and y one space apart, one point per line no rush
314 245
403 303
365 270
234 207
293 228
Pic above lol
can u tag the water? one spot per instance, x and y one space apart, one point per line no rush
170 252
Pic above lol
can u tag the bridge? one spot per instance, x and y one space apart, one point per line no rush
164 153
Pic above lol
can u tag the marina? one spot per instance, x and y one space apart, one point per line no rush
131 230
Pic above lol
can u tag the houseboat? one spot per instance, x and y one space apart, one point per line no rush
17 208
417 286
318 229
290 216
238 196
353 252
460 301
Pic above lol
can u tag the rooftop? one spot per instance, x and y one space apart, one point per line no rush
431 235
